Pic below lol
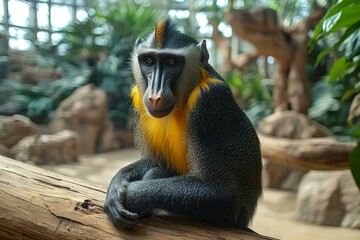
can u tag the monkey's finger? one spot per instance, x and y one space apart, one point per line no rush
114 214
127 214
126 223
123 212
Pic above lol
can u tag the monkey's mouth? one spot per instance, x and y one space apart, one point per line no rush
160 112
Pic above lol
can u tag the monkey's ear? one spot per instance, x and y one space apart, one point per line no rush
138 42
204 54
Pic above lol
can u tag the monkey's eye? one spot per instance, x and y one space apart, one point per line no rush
171 61
149 60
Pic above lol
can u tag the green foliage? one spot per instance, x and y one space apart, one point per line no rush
327 107
37 101
255 91
258 110
251 86
341 25
342 18
355 164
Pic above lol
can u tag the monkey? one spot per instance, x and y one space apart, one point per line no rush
200 154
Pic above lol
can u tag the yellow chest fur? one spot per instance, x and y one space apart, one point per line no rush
167 136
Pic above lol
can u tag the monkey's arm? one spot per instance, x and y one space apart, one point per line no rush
117 192
188 195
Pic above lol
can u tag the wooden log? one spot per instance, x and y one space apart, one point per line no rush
309 154
39 204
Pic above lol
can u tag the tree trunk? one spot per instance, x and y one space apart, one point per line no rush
39 204
287 45
310 154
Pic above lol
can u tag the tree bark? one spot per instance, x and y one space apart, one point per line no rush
39 204
309 154
287 45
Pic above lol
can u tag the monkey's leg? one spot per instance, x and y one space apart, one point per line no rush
184 195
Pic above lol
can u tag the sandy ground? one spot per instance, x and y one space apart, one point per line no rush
274 217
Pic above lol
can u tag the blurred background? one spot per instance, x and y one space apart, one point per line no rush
293 66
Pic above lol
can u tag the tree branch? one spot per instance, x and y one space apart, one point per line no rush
310 154
39 204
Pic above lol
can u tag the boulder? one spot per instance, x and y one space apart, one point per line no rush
85 113
329 198
14 128
107 140
292 125
61 147
4 151
354 111
281 176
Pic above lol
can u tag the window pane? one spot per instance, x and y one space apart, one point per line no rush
84 3
1 10
81 15
19 44
19 13
56 38
15 32
18 39
43 37
64 1
60 16
43 15
80 2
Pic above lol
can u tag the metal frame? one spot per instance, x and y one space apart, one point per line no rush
33 27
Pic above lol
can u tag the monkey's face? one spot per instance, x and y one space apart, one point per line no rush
160 71
167 67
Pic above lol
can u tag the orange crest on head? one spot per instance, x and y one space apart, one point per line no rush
160 32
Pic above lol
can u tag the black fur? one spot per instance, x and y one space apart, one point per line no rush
224 181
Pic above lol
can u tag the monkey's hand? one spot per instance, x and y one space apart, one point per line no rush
115 209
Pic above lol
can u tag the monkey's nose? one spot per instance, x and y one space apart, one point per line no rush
155 100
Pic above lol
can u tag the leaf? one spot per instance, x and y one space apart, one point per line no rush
353 43
322 54
349 16
338 69
318 32
323 100
354 160
330 22
349 93
37 107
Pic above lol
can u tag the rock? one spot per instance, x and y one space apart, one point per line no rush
281 176
84 112
4 151
125 138
293 125
354 111
108 141
14 128
61 147
329 198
